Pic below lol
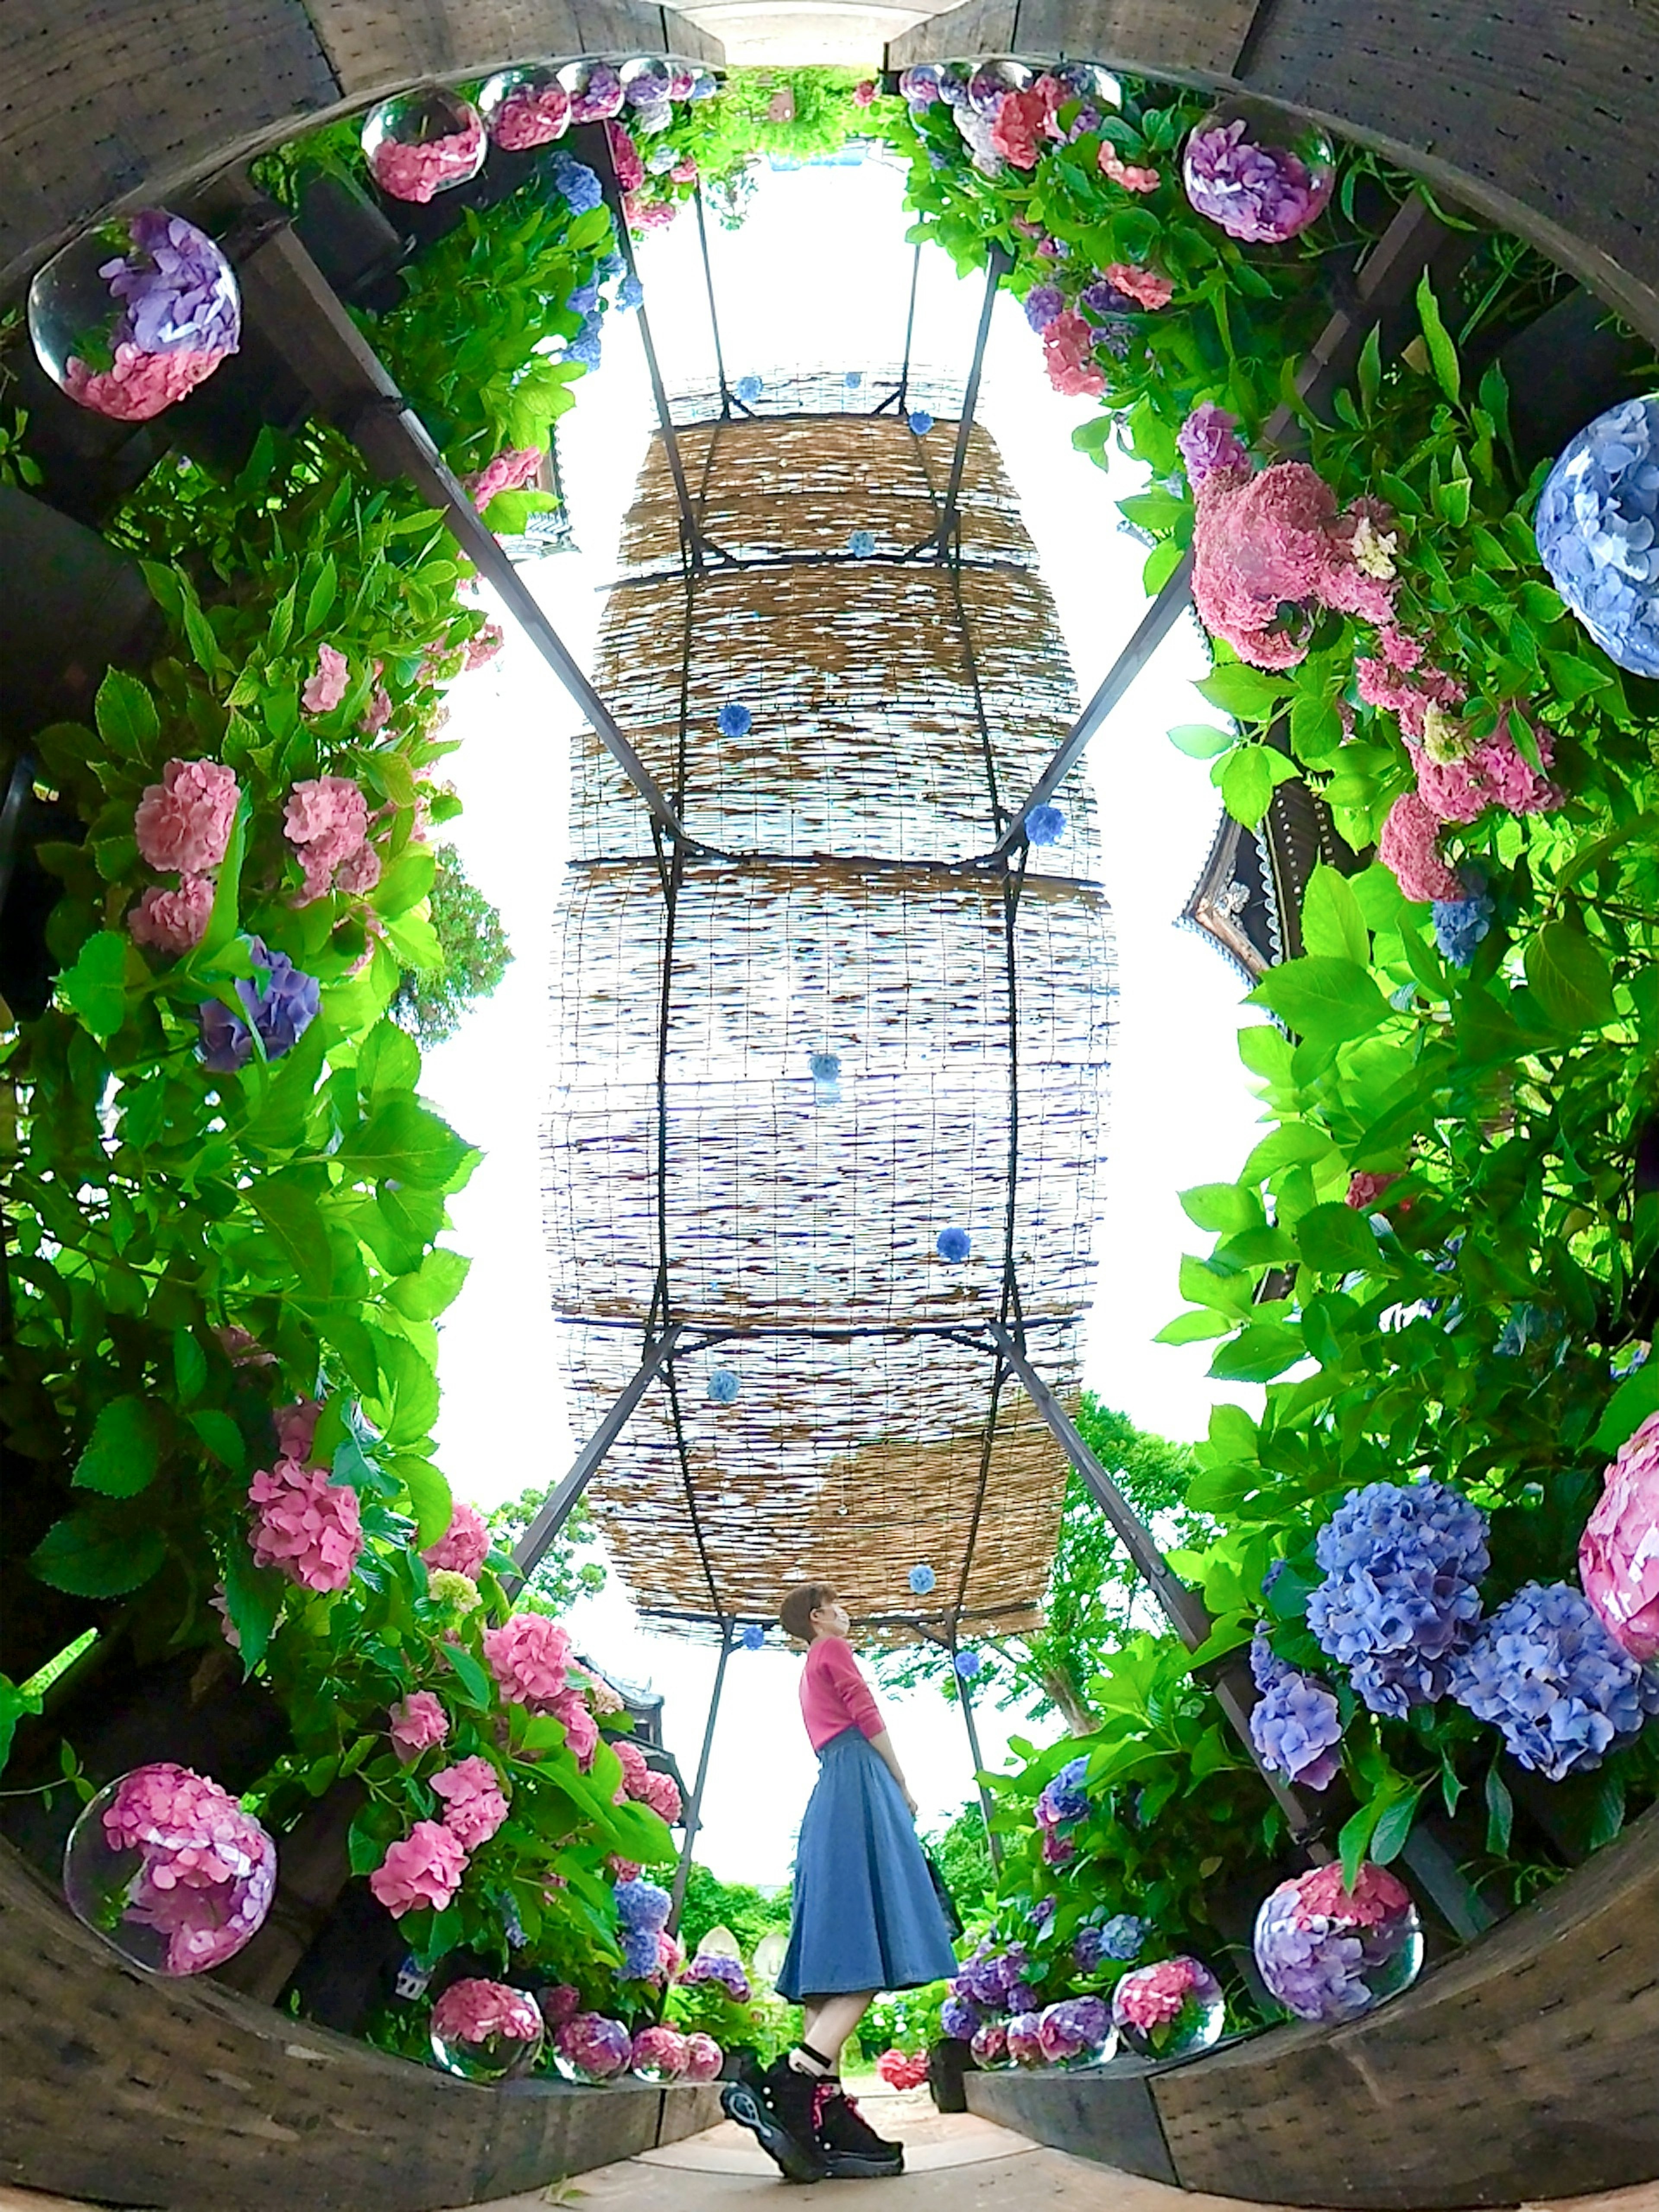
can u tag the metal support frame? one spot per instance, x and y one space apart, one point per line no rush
901 397
998 263
555 1511
964 1691
713 311
694 1808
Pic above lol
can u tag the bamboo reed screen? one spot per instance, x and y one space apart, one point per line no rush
696 1167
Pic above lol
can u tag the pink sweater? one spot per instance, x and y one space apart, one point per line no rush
834 1695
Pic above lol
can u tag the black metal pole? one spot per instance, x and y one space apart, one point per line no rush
713 313
965 1692
998 263
903 394
694 1809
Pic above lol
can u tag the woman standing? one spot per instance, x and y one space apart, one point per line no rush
865 1916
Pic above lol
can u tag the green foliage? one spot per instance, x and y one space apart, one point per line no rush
432 1003
963 1859
750 1914
560 1576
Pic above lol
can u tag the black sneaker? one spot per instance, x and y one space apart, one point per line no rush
849 2146
778 2108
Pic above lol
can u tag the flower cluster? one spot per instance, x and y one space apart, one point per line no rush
510 470
206 1869
1023 2041
177 315
902 2069
182 825
1460 925
326 822
474 1805
1619 1552
590 2048
1317 1943
1121 1937
1209 444
574 182
1064 1800
659 2053
1295 1724
1399 1597
1547 1672
1155 1997
474 2011
418 1723
422 1870
532 114
464 1545
1262 195
642 1911
1409 845
989 2043
728 1971
1597 528
406 171
305 1525
279 1004
1074 2028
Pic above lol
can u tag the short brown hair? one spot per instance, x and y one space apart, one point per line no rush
799 1605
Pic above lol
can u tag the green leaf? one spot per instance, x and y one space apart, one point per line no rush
188 1365
1570 978
1245 693
1355 1838
1200 740
1636 1396
225 918
1336 1238
475 1683
1327 999
390 1060
90 1557
429 1495
1500 1813
433 1287
1226 1207
94 989
286 1203
253 1598
125 714
123 1452
1368 370
1394 1828
221 1436
319 602
1195 1328
1441 352
1259 1352
1331 919
1294 1144
1247 783
403 1142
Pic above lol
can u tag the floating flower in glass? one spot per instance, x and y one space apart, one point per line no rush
486 2031
991 83
525 107
132 316
169 1870
989 2045
953 1244
646 83
658 2054
1169 2009
1076 2032
703 2058
590 2048
1258 176
1597 528
920 86
724 1387
1329 1952
1024 2041
420 144
595 90
1084 81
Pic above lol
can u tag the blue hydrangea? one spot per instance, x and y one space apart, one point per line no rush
724 1387
1295 1724
734 720
585 346
920 420
1045 825
1460 925
1546 1672
703 87
629 293
1120 1938
1043 1912
574 182
639 1950
862 543
1399 1598
611 265
854 378
967 1665
641 1905
748 389
754 1636
958 2017
922 1580
953 1244
1063 1800
1597 528
584 298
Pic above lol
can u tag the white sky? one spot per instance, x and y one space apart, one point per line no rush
819 276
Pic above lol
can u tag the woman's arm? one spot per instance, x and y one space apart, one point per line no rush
882 1745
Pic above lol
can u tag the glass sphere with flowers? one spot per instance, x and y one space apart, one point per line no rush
1170 2008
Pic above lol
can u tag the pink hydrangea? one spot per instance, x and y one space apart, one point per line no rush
658 2052
559 2002
1364 1190
474 2011
864 92
1149 288
1127 173
322 693
416 173
625 157
703 2058
377 712
220 1603
140 384
1152 1996
417 1723
581 1730
661 1793
597 2047
359 873
305 1525
1490 774
511 470
425 1869
635 1773
296 1428
602 1698
685 172
183 822
172 923
463 1545
484 646
474 1807
1020 129
207 1869
1068 354
1619 1552
1408 846
1376 1896
530 1658
326 822
531 116
1261 541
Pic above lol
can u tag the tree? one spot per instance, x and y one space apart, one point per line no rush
431 1002
748 1913
1095 1600
560 1577
963 1859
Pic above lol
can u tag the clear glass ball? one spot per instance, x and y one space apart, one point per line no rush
525 107
1076 2032
647 83
1262 176
486 2031
590 2048
1169 2009
1329 1954
1597 529
169 1870
1085 81
423 142
595 90
989 2045
992 82
703 2058
659 2055
130 317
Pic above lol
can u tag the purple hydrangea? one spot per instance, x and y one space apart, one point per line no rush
1399 1598
639 1950
1104 298
1043 1912
1597 528
988 1976
1075 2027
1209 441
1261 194
1295 1724
1546 1671
959 2017
1022 1997
1460 925
280 1002
1043 302
1318 1966
1064 1799
176 286
642 1905
728 1971
1121 1938
574 182
920 85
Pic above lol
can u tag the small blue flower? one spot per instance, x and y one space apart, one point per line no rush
630 292
575 184
953 1244
922 1580
1460 925
734 720
1045 825
724 1387
824 1066
612 265
703 87
584 298
585 346
921 421
754 1636
854 378
1123 1937
748 389
967 1664
862 543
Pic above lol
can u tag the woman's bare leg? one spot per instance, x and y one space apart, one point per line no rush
827 2025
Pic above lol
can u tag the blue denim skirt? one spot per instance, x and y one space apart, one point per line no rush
866 1916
